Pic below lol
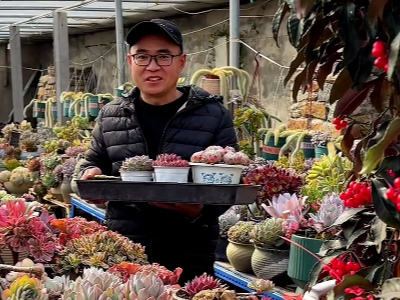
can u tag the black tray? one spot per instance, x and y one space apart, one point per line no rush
217 194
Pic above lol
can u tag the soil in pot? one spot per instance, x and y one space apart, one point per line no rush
267 263
239 256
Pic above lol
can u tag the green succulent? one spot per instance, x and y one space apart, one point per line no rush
267 232
240 232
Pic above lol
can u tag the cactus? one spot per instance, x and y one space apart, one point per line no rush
170 160
240 232
137 163
267 232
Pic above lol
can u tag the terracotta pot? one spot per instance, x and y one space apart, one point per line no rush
267 263
239 256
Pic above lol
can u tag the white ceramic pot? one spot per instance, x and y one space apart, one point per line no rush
171 174
216 174
137 176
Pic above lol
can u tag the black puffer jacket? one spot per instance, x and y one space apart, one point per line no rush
170 238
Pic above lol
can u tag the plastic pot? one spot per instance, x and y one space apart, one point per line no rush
270 151
171 174
137 176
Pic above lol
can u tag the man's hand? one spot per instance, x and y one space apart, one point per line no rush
190 210
90 174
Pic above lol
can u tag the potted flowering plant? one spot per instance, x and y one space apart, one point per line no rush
171 168
218 165
137 168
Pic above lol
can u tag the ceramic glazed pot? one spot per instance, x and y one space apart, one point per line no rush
137 176
171 174
239 256
267 263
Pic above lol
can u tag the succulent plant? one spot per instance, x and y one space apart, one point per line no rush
12 152
220 155
102 249
5 176
330 209
282 206
267 232
170 160
20 175
25 288
68 167
49 162
74 150
11 163
320 138
137 163
297 163
274 181
95 284
202 283
145 285
240 232
50 180
228 219
261 285
33 164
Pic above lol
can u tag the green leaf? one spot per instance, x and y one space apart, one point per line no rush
349 33
384 208
347 215
375 10
326 68
352 99
394 60
373 274
310 71
303 7
376 153
355 236
316 32
331 245
353 280
378 233
342 83
295 64
277 20
380 93
298 83
360 68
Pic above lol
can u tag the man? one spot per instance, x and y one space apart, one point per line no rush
157 117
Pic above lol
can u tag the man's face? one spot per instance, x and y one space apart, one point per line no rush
154 79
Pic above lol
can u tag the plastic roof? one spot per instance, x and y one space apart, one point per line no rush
35 18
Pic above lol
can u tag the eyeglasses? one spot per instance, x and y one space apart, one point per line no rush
163 60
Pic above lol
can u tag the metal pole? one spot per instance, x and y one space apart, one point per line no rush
119 31
234 33
61 58
16 74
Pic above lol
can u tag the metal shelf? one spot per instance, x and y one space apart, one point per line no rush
91 209
241 280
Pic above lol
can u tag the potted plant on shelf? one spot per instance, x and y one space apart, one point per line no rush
311 234
270 256
67 170
240 248
171 168
226 221
17 181
137 168
218 165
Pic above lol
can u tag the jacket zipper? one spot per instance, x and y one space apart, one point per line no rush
166 126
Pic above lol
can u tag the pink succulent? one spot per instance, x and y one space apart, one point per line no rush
212 148
42 247
229 149
284 205
213 156
170 160
197 157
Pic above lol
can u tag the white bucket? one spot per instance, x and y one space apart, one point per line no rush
216 174
138 176
171 174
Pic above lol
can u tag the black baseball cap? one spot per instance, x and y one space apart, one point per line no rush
165 27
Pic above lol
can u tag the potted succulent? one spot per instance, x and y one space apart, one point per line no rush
226 221
311 237
270 258
218 165
171 168
137 168
320 140
67 170
240 248
73 151
17 181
